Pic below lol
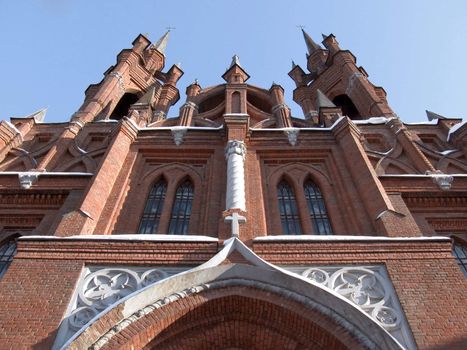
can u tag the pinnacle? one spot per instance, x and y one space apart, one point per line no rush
322 100
235 61
310 44
162 43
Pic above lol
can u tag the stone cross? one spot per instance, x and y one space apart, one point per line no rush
235 221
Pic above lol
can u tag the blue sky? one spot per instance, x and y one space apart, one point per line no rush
53 49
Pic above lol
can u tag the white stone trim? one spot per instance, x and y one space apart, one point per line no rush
235 154
370 289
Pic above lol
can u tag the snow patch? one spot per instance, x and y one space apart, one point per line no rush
319 238
454 129
373 120
129 237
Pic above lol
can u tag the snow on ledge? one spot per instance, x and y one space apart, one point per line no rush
57 173
129 237
422 175
300 128
373 120
181 127
320 238
454 129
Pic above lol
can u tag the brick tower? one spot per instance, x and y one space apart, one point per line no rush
234 225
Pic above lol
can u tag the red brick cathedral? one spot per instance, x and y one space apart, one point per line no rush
233 225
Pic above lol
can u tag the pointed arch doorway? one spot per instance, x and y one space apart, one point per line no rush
234 301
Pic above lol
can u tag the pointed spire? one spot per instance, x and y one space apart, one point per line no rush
235 61
431 115
162 43
293 64
324 36
310 44
322 100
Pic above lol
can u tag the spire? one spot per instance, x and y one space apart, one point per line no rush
310 44
431 115
162 43
324 36
235 61
322 100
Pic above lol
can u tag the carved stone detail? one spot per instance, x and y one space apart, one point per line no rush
367 287
292 135
444 181
101 287
178 134
27 179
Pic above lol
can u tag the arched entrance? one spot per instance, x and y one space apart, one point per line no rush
249 304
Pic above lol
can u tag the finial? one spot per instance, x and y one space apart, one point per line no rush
324 36
293 64
322 100
235 61
196 82
310 44
162 42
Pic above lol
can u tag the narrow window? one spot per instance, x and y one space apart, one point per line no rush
153 210
7 251
318 213
181 210
288 210
460 252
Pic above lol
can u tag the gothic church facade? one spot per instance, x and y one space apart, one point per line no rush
234 225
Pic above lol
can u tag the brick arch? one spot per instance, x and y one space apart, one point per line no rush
250 319
213 307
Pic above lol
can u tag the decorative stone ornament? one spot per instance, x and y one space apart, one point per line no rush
178 133
235 221
235 154
369 288
444 181
27 179
292 135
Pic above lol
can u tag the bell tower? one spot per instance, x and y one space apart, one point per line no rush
335 73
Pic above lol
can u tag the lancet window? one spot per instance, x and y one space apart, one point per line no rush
290 219
7 252
317 209
153 209
181 210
